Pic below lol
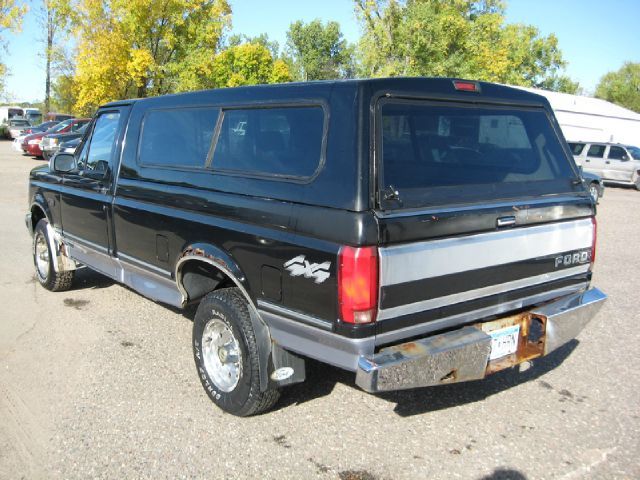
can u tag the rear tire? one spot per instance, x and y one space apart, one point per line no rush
43 261
226 354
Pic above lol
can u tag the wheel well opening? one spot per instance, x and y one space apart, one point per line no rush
36 215
199 278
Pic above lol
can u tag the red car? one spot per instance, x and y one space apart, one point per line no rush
31 143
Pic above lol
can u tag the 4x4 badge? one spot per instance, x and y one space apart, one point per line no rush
300 266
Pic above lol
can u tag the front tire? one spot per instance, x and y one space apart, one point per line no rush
226 354
594 191
43 261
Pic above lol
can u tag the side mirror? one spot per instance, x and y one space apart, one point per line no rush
63 162
625 157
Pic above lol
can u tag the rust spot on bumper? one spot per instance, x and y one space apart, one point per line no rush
530 340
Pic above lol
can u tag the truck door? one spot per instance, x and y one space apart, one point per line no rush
87 196
618 165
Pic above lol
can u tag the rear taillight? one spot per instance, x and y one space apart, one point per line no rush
594 222
358 284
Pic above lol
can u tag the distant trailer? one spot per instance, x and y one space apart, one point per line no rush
8 112
591 119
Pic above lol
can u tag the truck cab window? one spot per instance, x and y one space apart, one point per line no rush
96 154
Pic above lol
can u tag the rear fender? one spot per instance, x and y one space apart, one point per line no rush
222 261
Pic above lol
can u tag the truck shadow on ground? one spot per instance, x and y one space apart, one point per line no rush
86 278
321 380
505 474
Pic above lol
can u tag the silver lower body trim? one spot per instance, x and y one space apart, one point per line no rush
154 284
322 345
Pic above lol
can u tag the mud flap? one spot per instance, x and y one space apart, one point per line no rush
277 366
263 342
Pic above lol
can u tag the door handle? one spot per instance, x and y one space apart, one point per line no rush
587 160
607 162
506 221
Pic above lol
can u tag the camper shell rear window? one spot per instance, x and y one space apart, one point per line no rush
435 153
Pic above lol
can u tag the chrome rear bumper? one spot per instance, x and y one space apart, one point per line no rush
463 355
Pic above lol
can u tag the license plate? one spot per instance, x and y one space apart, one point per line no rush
504 341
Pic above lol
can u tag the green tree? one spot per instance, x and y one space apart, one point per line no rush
318 52
622 86
64 94
10 20
455 38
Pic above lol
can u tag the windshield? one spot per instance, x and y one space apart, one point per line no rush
634 151
59 126
434 153
14 112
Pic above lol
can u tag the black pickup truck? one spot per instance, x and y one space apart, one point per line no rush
416 232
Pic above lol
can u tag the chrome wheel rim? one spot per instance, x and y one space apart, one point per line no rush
41 255
594 193
221 355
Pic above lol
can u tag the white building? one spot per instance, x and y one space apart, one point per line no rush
592 119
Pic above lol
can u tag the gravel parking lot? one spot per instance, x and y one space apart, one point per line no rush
99 382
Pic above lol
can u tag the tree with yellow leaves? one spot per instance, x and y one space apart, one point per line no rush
144 47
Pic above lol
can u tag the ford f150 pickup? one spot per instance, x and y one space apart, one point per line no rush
416 232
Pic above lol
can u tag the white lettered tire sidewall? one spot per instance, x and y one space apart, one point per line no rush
229 307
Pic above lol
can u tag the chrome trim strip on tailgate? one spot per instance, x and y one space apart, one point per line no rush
406 263
479 292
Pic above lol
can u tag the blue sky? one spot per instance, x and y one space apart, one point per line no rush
595 36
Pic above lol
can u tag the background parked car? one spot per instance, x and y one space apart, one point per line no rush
16 127
70 146
51 142
614 163
43 127
31 143
59 117
595 185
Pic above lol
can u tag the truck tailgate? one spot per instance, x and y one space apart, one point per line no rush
442 281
